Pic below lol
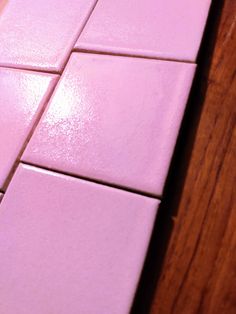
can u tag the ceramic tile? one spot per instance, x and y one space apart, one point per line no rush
70 246
23 94
41 34
114 119
166 29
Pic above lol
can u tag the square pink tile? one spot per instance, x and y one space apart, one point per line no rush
22 97
70 246
114 119
166 29
41 34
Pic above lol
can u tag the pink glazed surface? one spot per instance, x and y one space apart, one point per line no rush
114 119
166 29
70 246
22 97
67 245
40 34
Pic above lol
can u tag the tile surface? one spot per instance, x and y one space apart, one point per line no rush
70 246
22 96
40 34
114 119
167 29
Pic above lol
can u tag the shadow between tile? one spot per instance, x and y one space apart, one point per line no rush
30 134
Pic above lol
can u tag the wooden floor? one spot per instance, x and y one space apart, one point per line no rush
191 266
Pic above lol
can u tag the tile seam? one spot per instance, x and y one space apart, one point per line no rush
28 137
95 181
77 37
34 70
141 57
145 57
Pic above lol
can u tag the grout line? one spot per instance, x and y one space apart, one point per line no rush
77 37
137 56
88 17
30 134
100 182
60 72
22 68
38 118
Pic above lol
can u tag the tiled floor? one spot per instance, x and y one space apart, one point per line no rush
71 241
116 127
40 34
22 98
83 167
164 29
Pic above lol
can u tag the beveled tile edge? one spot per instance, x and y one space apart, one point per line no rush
45 100
94 49
59 66
83 46
99 182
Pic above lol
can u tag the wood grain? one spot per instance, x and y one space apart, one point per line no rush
191 264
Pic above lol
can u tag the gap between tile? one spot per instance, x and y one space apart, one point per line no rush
90 51
38 117
158 197
29 69
74 49
82 28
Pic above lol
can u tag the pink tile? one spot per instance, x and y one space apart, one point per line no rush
70 246
22 97
167 29
41 34
114 119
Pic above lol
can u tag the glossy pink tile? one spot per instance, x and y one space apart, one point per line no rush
114 119
23 94
70 246
41 34
166 29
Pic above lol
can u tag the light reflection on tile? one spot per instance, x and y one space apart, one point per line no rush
23 95
108 122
